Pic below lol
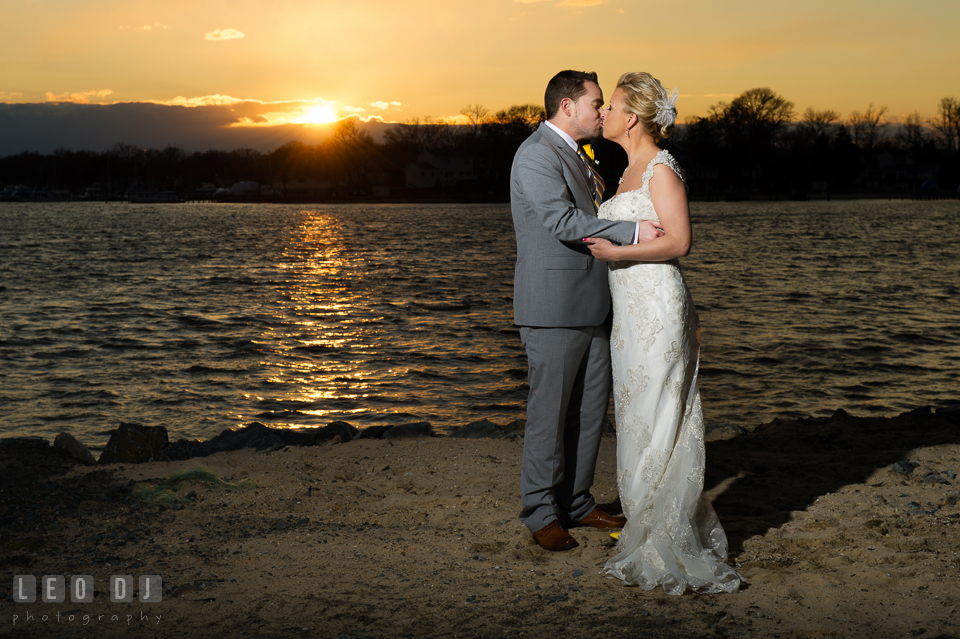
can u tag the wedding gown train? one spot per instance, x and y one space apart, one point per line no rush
673 537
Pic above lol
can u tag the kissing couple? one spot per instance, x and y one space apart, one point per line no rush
579 257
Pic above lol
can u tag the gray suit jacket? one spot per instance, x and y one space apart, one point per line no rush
557 282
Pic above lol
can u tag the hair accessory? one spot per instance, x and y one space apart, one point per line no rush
667 108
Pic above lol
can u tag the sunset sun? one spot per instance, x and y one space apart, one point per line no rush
318 115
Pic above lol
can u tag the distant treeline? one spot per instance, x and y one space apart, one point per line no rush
754 146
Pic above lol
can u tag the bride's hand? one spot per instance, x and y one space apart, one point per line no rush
603 250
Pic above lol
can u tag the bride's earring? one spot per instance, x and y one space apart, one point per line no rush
628 133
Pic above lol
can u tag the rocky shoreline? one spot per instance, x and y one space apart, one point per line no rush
136 444
843 526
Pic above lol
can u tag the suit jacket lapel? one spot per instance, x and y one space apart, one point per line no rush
569 154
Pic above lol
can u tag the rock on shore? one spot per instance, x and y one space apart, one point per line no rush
135 444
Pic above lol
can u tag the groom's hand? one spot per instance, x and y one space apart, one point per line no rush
648 230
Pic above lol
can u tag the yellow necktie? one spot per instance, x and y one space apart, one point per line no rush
592 175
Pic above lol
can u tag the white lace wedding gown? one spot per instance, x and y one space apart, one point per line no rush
673 537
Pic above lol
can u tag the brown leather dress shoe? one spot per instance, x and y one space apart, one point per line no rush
554 537
599 519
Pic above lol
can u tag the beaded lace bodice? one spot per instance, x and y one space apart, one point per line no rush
636 205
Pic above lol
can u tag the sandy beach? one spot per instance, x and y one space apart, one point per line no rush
419 537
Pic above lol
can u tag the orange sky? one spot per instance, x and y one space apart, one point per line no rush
417 58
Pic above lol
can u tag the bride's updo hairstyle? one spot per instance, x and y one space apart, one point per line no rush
645 97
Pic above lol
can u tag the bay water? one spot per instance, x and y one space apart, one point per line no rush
204 316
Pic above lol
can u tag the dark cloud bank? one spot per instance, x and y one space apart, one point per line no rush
45 127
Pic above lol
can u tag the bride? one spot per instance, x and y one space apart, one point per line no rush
672 537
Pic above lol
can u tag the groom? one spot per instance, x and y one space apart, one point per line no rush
561 304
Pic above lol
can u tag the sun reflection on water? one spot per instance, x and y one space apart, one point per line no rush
324 329
374 332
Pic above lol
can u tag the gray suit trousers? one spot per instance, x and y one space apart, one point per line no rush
569 376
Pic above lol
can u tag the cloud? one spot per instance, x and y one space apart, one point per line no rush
43 127
239 112
9 96
255 120
78 98
224 34
206 100
254 113
529 1
383 105
375 120
151 27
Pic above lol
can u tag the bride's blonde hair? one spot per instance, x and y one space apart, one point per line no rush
641 92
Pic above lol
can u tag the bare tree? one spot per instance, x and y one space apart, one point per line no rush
913 133
947 123
523 115
476 115
288 161
346 132
819 122
123 150
247 154
753 118
418 135
760 107
750 128
867 128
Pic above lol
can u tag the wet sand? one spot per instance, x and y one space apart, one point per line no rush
420 538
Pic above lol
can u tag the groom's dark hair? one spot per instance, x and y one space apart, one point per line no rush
566 84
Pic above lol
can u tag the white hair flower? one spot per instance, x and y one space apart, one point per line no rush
667 108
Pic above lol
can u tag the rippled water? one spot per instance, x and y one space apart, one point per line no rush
809 307
204 316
